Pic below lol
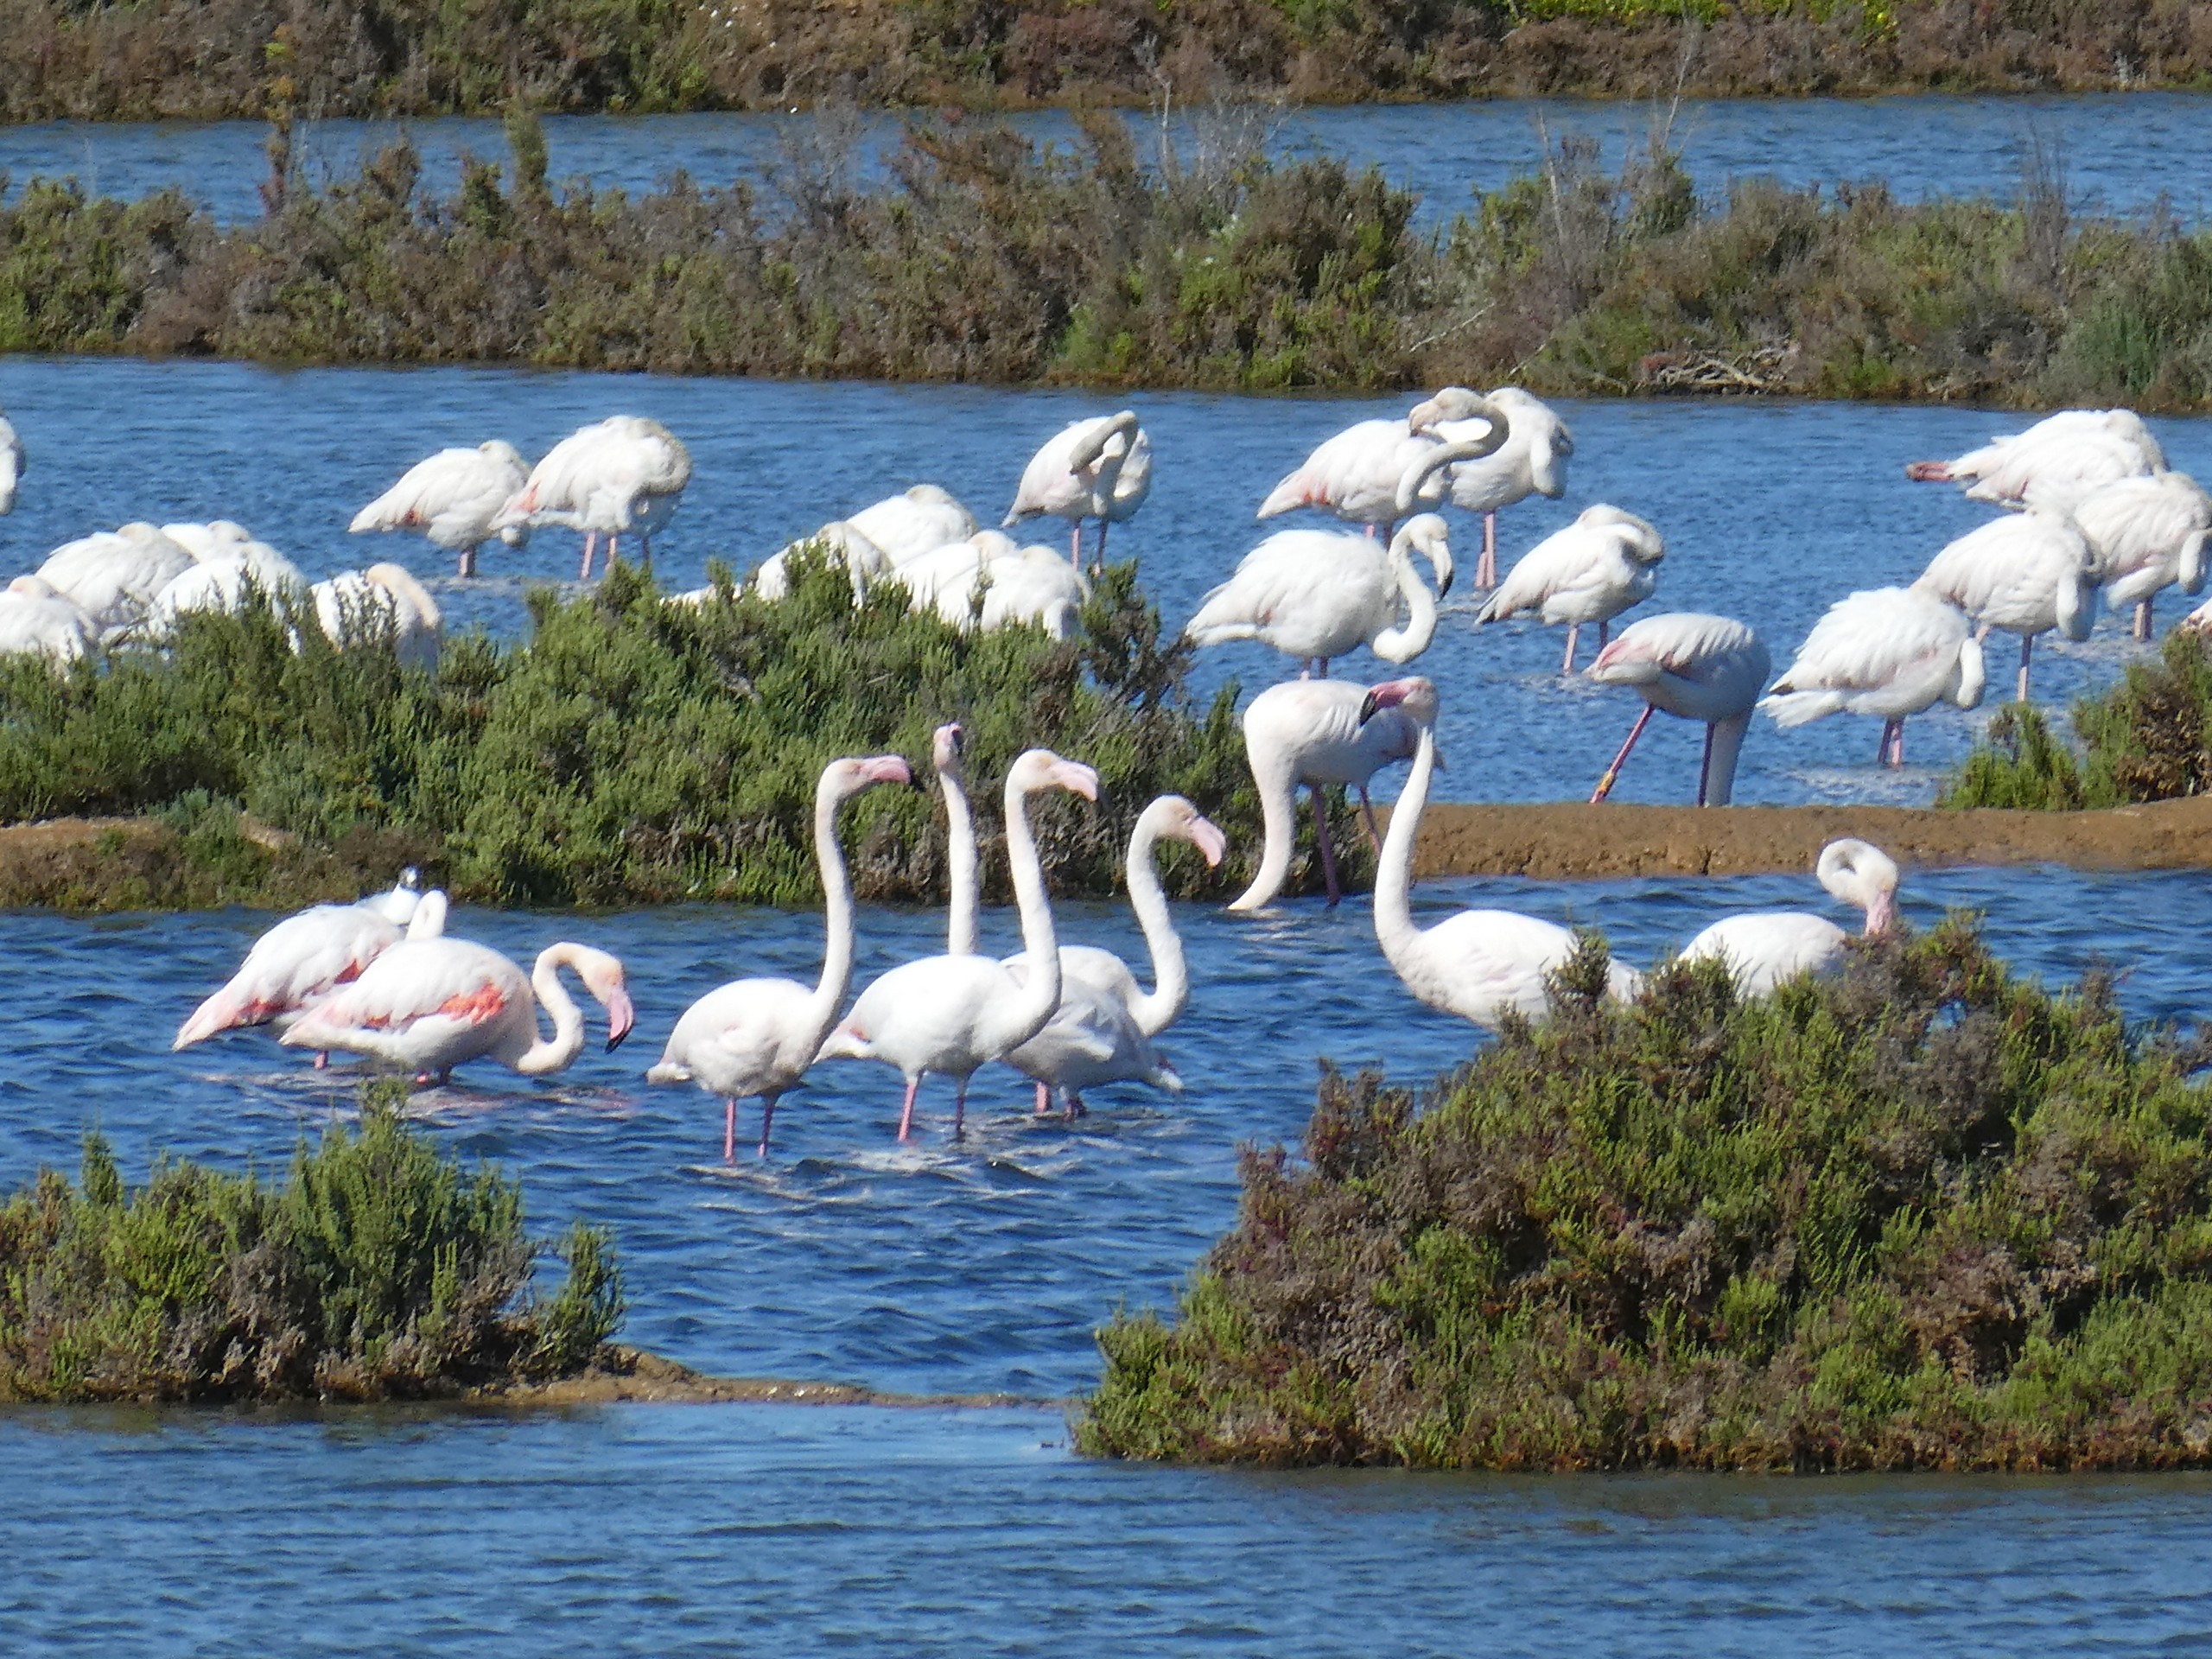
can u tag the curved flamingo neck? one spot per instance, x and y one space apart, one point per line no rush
1171 979
836 912
1394 872
1399 644
960 854
1278 785
1039 993
543 1057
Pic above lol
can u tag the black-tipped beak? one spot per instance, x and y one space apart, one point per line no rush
1444 587
616 1040
1367 706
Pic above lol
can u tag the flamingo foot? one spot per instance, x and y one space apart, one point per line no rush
906 1112
729 1130
1076 1108
1613 772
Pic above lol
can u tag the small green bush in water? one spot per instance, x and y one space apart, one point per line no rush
379 1269
1921 1215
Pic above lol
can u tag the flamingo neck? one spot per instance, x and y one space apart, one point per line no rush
1394 872
960 854
1402 644
1039 993
1723 743
544 1057
836 915
1171 979
1278 785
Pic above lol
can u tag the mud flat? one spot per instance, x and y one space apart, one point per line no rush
624 1375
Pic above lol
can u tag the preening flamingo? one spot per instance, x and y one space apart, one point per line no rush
2025 574
622 474
1479 965
985 582
383 601
1763 948
845 547
1311 732
1890 651
1080 474
224 583
2054 462
1363 473
309 955
1601 565
38 620
1102 1031
12 465
757 1037
1531 462
1315 594
914 522
455 499
953 1015
117 575
426 1005
1696 667
2145 534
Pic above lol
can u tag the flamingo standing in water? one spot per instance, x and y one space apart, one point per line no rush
1531 462
1479 964
622 474
1763 948
2054 462
1374 472
1699 667
1314 594
757 1037
455 499
2144 535
951 1014
1605 563
1103 1029
1890 651
1078 475
2026 574
1311 732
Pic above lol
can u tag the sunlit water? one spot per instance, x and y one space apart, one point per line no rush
2121 153
1771 511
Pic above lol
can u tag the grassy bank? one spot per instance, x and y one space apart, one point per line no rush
632 751
241 57
979 257
377 1268
1925 1215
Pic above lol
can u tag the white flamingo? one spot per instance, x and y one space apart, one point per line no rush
2054 462
454 499
38 620
224 583
2144 535
216 539
953 1015
963 893
1078 475
2024 573
1695 666
1531 462
1479 964
383 601
1315 594
1602 564
985 582
1311 732
426 1005
916 521
1763 948
757 1037
12 465
116 575
1102 1031
623 473
1374 472
845 547
1891 652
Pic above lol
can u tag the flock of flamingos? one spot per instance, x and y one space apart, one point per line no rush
2092 512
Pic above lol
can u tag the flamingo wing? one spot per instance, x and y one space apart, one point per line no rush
300 958
420 997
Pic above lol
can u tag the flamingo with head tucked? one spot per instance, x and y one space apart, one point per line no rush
626 473
2144 535
1765 947
1890 651
1316 594
1374 472
1605 563
2027 573
455 500
38 620
2054 462
1531 462
1078 473
916 521
1697 667
757 1037
1311 732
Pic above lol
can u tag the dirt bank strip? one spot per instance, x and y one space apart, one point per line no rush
625 1375
1571 840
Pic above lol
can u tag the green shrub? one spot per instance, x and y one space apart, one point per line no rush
1920 1215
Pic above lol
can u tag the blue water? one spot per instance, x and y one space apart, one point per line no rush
2122 152
1771 511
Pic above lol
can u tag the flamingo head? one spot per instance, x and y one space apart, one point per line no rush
602 976
1973 674
854 773
1036 769
1178 820
945 746
1415 694
1426 534
1453 404
1859 873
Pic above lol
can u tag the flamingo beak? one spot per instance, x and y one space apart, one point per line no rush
621 1017
1076 777
887 769
1389 695
1206 836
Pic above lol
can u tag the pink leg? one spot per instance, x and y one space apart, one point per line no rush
1043 1100
1099 563
729 1130
591 546
1076 1108
1613 772
1367 812
906 1112
467 561
1704 767
2027 649
1574 633
767 1117
1486 567
1075 545
323 1059
613 550
1321 839
2143 618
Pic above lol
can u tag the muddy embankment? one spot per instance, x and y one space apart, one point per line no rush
630 1375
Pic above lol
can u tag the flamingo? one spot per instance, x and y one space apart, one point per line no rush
986 582
2025 574
1103 1030
1479 964
1601 565
1374 472
2145 534
1699 667
1531 462
225 584
955 1015
216 539
452 498
1314 594
1311 732
845 547
1763 948
757 1037
427 1005
1078 475
12 465
622 474
309 955
2054 462
947 749
38 620
1891 652
384 600
116 575
918 520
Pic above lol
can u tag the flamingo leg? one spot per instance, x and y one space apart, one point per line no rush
729 1129
1367 812
1099 563
1324 673
1486 567
1043 1100
1892 737
906 1112
613 550
767 1117
468 560
591 546
1704 767
2027 648
960 1109
1075 545
1076 1108
1574 633
1613 772
1604 633
322 1059
2143 618
646 551
1897 749
1321 839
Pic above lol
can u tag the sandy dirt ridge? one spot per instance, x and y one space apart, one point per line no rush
624 1375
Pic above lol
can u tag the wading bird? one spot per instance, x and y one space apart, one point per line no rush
116 575
1096 468
1374 472
12 465
916 521
38 620
1315 594
2144 535
1531 462
455 500
845 547
1763 948
1311 732
1891 652
1602 564
2054 462
1695 666
623 473
2026 574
